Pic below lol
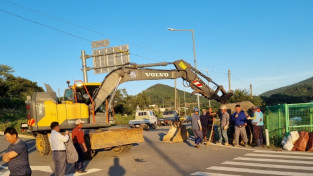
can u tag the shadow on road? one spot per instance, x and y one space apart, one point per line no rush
116 169
165 157
161 135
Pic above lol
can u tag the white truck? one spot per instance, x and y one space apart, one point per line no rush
145 119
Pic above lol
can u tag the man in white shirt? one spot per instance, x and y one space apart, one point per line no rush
57 140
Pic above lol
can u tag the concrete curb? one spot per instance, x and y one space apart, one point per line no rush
20 135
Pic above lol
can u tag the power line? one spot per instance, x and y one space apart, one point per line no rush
85 28
61 31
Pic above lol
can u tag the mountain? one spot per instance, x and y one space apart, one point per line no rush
164 96
300 92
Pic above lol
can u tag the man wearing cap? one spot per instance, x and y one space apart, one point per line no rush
79 143
224 124
240 119
196 127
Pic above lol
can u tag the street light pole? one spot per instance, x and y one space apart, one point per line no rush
194 52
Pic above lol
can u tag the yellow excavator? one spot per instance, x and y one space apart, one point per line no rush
92 103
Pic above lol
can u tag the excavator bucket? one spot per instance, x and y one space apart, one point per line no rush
177 133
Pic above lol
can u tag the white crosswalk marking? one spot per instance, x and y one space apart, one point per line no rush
284 152
268 165
211 174
256 171
274 160
264 162
279 156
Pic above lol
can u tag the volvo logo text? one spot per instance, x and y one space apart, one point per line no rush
157 74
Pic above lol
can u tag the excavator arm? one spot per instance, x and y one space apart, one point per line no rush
184 70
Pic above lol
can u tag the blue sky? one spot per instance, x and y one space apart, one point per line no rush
265 43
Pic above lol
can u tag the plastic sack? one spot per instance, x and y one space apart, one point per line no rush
302 142
292 138
310 143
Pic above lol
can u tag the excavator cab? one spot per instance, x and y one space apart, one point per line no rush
82 92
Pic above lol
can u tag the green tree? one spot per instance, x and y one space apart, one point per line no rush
244 95
142 100
21 87
5 71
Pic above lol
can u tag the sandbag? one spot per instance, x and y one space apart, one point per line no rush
310 143
302 142
292 138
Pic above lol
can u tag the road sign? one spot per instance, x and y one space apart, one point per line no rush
108 59
100 43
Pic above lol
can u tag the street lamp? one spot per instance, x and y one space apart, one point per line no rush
194 52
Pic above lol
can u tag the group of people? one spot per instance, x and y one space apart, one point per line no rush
16 154
57 142
202 125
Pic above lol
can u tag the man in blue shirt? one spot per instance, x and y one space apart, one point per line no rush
240 119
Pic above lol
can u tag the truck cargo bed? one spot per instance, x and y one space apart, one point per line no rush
112 137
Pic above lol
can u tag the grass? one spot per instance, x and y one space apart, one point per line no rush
12 118
122 119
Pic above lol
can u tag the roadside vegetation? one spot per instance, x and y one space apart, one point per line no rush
13 93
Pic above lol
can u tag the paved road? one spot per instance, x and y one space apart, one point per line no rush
154 158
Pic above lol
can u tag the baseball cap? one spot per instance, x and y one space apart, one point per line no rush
195 110
223 107
79 121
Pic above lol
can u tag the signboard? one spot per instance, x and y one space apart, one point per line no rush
108 59
100 43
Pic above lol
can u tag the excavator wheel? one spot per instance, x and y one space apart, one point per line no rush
42 144
119 149
127 148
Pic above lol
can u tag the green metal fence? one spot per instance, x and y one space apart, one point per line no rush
283 118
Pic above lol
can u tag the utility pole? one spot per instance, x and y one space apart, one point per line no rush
251 91
178 105
83 57
229 88
175 96
185 102
163 103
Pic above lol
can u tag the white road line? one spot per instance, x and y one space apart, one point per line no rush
255 171
88 172
268 165
275 160
211 174
278 156
284 152
42 168
7 173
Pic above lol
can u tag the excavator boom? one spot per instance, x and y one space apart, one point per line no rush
184 70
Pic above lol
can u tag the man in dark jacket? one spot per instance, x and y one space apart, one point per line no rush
204 118
17 154
240 119
196 127
211 119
